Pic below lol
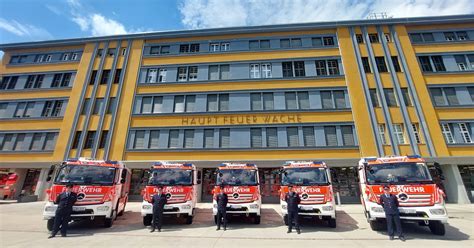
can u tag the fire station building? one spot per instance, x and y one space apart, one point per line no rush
330 91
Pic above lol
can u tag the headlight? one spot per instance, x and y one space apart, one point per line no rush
103 208
327 208
253 206
283 206
377 209
146 206
50 208
437 211
187 206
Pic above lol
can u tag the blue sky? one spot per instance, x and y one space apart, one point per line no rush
31 20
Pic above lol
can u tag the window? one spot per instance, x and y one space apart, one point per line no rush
287 68
428 37
49 142
193 73
29 81
189 138
448 135
212 105
266 70
396 65
268 101
3 110
74 56
52 108
39 58
303 100
194 48
339 99
154 139
308 136
416 133
98 106
151 75
190 103
398 132
292 136
383 138
333 67
147 106
390 97
208 138
331 137
260 70
112 105
381 66
256 101
75 142
184 48
139 142
326 99
214 47
66 79
217 72
225 46
321 67
36 142
123 51
48 58
461 62
425 63
317 42
155 50
65 57
103 139
19 142
118 73
259 44
93 77
466 136
462 35
438 63
422 37
359 38
34 81
173 141
85 107
296 43
347 136
374 38
217 102
290 100
374 98
8 83
406 97
450 93
182 74
256 137
272 137
293 43
20 110
366 65
328 41
471 92
327 67
437 96
254 70
99 52
299 68
224 138
224 71
7 144
178 104
264 44
223 102
285 43
90 139
449 36
157 104
387 37
105 77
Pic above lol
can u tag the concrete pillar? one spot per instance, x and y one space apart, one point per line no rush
454 185
42 185
199 186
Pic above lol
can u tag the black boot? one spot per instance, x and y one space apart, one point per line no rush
152 230
298 231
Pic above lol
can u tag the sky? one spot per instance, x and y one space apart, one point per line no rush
34 20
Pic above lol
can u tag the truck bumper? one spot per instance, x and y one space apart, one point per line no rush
80 212
240 208
327 209
185 208
436 212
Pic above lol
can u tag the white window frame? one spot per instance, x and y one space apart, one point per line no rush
183 77
151 75
387 37
466 136
215 47
225 46
162 75
266 70
448 135
48 58
65 57
462 66
382 135
254 70
399 133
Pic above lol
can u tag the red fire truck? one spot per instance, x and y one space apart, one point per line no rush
102 189
240 182
421 200
179 182
312 181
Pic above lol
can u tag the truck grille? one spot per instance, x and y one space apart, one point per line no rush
175 198
90 199
416 200
313 199
242 198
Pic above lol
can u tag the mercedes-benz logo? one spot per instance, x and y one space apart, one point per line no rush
235 195
403 197
81 196
304 196
168 196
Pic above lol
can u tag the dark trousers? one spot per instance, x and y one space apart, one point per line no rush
61 221
157 219
391 220
221 218
293 218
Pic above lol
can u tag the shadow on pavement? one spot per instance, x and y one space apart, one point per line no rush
413 231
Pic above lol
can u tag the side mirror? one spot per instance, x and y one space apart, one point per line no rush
123 177
199 181
50 173
122 180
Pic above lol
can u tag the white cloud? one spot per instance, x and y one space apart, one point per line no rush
53 9
224 13
24 30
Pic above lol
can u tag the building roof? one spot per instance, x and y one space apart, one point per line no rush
243 30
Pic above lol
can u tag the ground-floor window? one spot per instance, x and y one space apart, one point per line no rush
31 180
467 175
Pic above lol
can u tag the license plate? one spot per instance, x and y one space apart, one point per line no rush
78 209
168 207
234 207
407 211
306 208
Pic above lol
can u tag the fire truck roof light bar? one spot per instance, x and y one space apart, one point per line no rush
237 164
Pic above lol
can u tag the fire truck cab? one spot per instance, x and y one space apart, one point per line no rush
240 182
312 181
408 177
180 184
102 189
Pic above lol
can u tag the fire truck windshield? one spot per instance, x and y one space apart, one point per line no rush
304 176
171 177
237 177
86 175
398 173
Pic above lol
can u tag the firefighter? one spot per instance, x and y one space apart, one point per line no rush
158 200
292 199
222 201
65 201
389 203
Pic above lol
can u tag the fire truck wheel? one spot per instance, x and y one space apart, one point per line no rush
147 220
437 227
189 219
256 219
376 225
332 223
50 224
285 219
108 222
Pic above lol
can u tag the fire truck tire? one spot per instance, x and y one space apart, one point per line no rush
437 227
147 220
376 225
256 219
285 219
189 219
50 224
332 223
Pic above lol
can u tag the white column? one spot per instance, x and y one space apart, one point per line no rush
454 185
42 185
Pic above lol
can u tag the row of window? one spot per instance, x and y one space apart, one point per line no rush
452 96
252 137
390 98
458 133
400 133
38 141
245 101
373 37
426 37
443 63
104 77
289 69
46 57
37 81
98 107
111 52
381 64
224 46
91 139
32 109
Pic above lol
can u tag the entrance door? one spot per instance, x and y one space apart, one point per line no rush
208 182
137 184
31 180
269 185
345 181
467 175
